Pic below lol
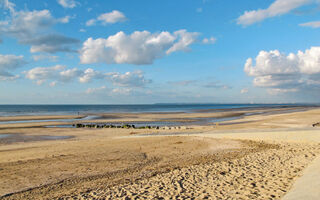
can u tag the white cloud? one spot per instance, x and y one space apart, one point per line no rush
185 39
8 5
128 79
112 17
141 47
272 62
42 74
96 90
68 3
277 8
121 91
59 73
25 24
103 90
91 22
108 18
9 63
309 61
70 74
90 74
314 24
286 73
45 57
65 19
33 28
9 77
210 40
244 91
276 91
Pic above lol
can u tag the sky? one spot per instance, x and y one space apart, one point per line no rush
159 51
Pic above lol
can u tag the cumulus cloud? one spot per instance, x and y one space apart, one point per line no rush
90 74
25 24
42 74
70 74
9 63
314 24
33 28
139 48
108 18
184 40
112 17
68 3
277 8
60 73
285 73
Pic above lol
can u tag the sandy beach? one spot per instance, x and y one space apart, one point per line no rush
256 154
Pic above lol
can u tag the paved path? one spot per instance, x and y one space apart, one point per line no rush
307 187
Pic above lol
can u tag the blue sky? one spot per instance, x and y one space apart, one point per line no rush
147 51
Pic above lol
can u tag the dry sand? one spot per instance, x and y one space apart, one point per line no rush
256 157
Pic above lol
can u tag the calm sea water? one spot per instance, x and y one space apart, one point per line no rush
12 110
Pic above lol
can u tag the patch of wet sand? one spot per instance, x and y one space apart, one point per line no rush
14 138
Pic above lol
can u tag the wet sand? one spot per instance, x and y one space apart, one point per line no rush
255 157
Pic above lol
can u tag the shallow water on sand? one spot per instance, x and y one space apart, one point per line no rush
4 135
90 117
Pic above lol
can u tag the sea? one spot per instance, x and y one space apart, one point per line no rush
16 110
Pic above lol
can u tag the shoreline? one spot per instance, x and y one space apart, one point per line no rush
184 116
143 110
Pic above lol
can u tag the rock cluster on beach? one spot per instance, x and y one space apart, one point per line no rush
316 124
126 126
